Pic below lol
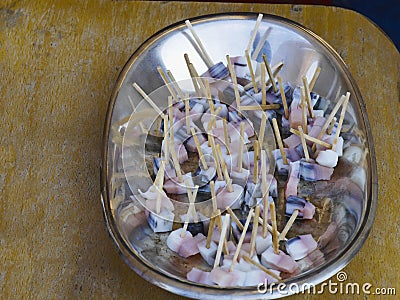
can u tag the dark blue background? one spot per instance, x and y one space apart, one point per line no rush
384 13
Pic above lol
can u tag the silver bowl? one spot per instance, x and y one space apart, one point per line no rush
353 190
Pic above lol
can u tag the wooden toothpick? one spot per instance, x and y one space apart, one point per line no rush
331 126
303 142
198 79
171 120
187 115
283 97
314 78
265 193
341 119
191 209
254 231
260 43
254 32
206 58
224 169
239 245
288 225
221 240
279 141
330 117
256 158
275 242
167 83
234 81
213 221
215 155
275 70
262 129
263 87
241 147
193 196
208 95
212 122
234 218
311 139
200 152
192 75
271 76
147 98
260 107
160 186
264 185
253 77
175 84
308 97
261 267
303 110
226 137
166 144
213 196
210 232
157 125
175 161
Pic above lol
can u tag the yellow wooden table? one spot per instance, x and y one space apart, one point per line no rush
59 61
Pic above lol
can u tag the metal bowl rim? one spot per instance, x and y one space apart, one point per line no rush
193 290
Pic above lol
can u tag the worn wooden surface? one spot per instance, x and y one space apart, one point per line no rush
58 63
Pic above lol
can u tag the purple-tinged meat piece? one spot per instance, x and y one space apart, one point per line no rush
294 179
196 112
199 276
218 71
280 261
300 246
310 171
190 143
306 208
175 241
208 254
189 247
316 128
223 277
327 158
161 222
255 277
232 199
292 141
